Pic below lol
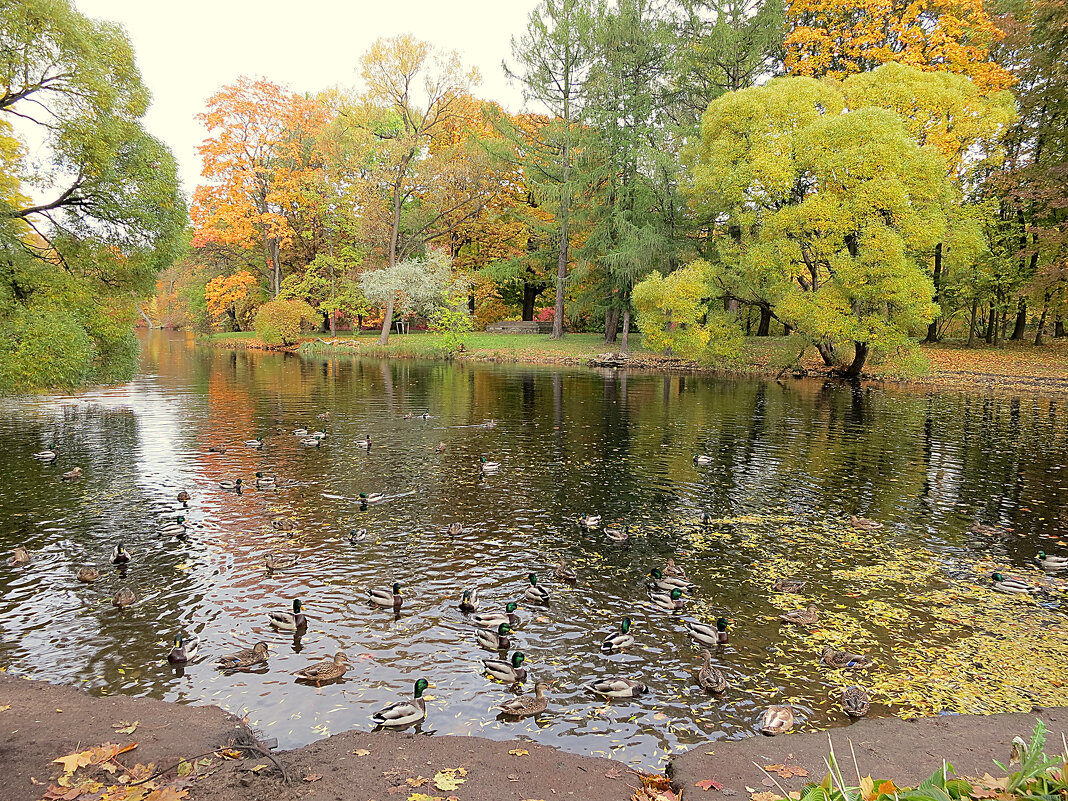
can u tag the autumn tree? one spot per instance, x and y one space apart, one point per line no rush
225 293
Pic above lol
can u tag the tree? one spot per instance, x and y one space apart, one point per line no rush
825 208
413 285
93 215
552 62
327 285
223 294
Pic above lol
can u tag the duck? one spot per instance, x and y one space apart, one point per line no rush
619 534
864 523
409 416
833 658
588 521
441 447
321 434
777 720
789 585
534 591
494 619
173 528
1012 586
1051 563
469 601
88 574
72 475
616 687
425 415
47 455
386 597
231 486
404 713
707 635
280 561
855 702
216 449
357 535
619 640
184 497
706 519
565 572
372 497
263 481
254 443
19 556
668 601
311 442
526 706
327 670
802 617
323 416
984 528
510 672
710 677
702 459
364 443
124 597
489 467
300 432
120 556
245 659
289 621
672 570
455 529
184 649
667 583
495 640
284 524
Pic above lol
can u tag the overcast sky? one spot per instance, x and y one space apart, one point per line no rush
187 50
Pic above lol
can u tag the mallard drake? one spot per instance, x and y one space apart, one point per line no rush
289 621
494 619
510 672
47 455
489 467
71 475
469 601
300 432
833 658
386 597
231 486
173 528
124 597
711 678
619 534
802 617
616 687
526 705
706 519
495 640
364 443
672 570
534 591
254 443
19 556
327 670
855 702
321 434
565 572
404 713
357 535
372 497
184 497
425 415
184 649
789 585
265 482
88 574
702 459
1051 563
1012 586
311 442
120 556
667 583
280 561
777 720
455 529
619 640
668 601
705 634
589 521
984 528
864 523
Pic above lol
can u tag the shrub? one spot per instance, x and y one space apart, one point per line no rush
280 322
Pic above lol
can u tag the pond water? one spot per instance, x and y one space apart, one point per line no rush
790 464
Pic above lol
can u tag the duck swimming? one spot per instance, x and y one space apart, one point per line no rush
244 659
289 621
184 649
404 713
387 597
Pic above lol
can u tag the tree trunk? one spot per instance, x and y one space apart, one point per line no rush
765 322
1020 327
991 324
611 324
860 355
276 266
826 350
971 324
561 256
1058 328
1042 321
530 292
387 323
932 328
624 345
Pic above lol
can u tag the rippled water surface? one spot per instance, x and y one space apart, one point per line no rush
790 465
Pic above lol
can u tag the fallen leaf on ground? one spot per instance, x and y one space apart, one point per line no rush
230 753
519 752
709 784
361 752
5 707
71 762
167 794
449 779
424 797
184 769
125 727
258 768
764 797
313 777
786 771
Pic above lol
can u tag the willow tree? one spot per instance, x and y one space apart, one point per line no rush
828 207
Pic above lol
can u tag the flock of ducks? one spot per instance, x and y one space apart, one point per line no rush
666 588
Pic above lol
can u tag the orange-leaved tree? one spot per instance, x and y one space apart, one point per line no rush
839 37
223 293
259 158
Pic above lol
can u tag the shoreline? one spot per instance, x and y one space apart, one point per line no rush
42 722
1015 368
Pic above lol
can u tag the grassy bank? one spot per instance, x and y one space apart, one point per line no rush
1015 366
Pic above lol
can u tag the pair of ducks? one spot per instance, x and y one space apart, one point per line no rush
776 720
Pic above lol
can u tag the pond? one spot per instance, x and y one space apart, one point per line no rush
790 463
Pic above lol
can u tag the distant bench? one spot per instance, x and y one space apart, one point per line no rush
519 327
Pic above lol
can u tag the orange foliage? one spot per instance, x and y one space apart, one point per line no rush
223 292
839 37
